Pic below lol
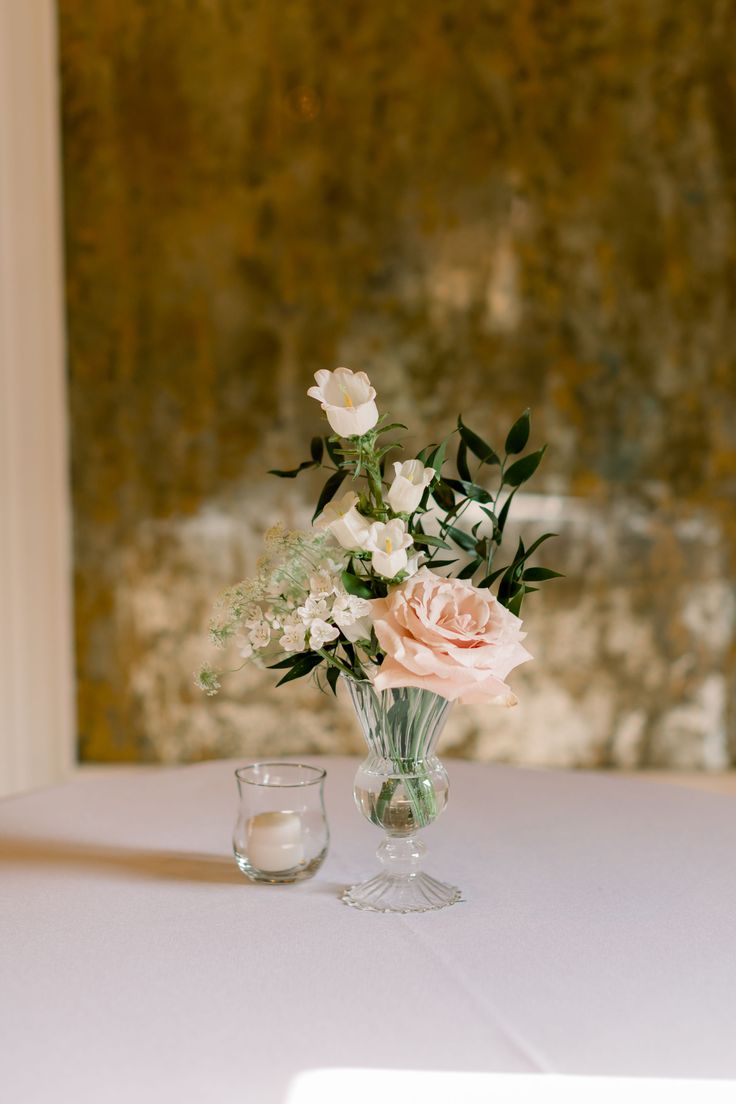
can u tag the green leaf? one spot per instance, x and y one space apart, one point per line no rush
481 547
424 504
489 579
329 491
521 555
505 588
525 468
539 574
518 435
470 569
442 494
462 462
307 662
333 674
510 579
489 514
355 585
537 542
436 457
496 536
460 537
470 490
422 456
477 445
381 454
333 451
392 425
503 516
316 449
294 471
441 563
288 662
514 603
424 538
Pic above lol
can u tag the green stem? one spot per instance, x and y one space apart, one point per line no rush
335 662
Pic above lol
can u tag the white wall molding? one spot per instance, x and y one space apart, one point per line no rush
37 729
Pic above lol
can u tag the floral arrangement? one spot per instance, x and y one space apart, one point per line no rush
393 583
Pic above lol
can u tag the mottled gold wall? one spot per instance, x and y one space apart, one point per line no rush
486 205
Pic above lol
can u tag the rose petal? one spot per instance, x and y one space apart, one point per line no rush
448 636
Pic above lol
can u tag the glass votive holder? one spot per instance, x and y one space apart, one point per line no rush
281 833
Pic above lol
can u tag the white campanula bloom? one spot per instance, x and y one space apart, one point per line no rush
321 633
342 519
347 399
413 563
388 541
294 638
410 482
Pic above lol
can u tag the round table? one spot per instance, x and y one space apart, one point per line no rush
597 937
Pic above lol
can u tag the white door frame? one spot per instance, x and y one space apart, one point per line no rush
37 723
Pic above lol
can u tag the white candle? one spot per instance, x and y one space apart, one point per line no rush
275 841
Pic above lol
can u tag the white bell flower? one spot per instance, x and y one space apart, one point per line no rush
344 522
388 541
347 399
410 482
358 630
321 633
414 562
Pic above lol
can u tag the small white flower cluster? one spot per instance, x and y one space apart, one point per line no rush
327 611
306 620
296 603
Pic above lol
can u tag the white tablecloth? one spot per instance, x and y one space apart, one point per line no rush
597 936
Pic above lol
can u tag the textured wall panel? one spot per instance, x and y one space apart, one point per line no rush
485 206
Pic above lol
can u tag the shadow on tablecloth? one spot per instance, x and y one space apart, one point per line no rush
178 866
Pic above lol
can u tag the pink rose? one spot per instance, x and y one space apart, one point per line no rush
447 636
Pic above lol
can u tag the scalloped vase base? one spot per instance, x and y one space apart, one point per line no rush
393 893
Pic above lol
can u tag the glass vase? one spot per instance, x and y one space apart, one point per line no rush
401 787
